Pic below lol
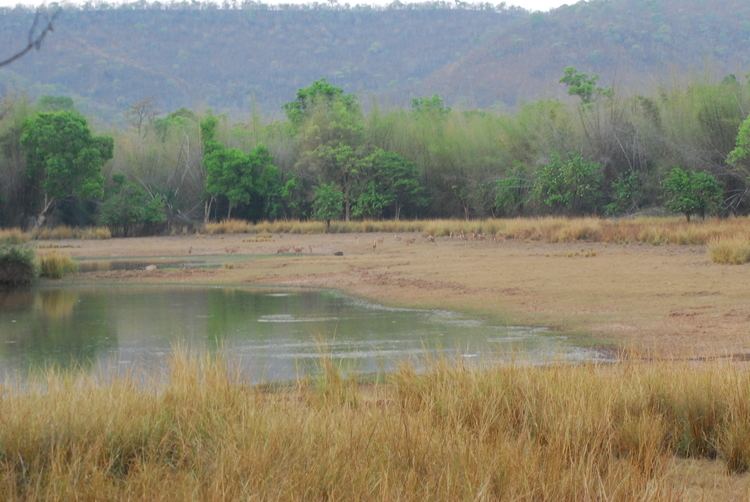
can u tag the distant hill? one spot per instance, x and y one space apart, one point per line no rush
196 56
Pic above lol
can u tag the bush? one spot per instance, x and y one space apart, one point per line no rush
130 210
570 185
55 265
16 265
692 192
734 251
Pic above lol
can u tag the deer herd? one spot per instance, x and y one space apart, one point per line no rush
379 242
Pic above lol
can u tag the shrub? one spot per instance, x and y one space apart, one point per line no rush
55 265
570 185
734 251
130 210
16 265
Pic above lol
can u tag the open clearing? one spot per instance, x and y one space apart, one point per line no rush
654 301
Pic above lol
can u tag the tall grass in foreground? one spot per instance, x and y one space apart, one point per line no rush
554 433
648 230
56 265
732 251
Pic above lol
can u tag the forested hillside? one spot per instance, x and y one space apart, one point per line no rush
227 58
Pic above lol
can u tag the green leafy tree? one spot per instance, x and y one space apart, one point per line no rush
371 201
740 156
328 127
339 164
692 192
572 185
320 94
229 174
267 185
328 203
129 209
583 85
63 158
392 182
739 160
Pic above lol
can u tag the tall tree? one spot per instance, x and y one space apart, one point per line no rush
63 158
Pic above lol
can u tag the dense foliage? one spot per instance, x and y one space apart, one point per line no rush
684 148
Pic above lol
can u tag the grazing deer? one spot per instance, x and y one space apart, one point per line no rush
411 241
431 238
298 250
282 250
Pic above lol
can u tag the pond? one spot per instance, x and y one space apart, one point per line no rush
268 335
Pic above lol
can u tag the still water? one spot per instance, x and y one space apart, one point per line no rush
267 335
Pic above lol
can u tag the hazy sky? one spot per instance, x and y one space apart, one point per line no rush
528 4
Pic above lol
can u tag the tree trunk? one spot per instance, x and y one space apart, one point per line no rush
43 214
229 211
347 207
207 209
398 212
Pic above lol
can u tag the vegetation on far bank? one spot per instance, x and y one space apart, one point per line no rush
545 433
686 149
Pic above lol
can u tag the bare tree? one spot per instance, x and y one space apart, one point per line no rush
42 25
141 113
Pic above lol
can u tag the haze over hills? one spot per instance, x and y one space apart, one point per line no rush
483 56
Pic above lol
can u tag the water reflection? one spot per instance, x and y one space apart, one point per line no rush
269 335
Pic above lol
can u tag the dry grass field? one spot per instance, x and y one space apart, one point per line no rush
628 432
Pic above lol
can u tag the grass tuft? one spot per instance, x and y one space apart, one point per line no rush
56 265
731 251
227 227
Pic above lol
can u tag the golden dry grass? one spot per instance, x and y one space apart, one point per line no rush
730 251
555 433
65 232
55 265
13 236
227 227
656 231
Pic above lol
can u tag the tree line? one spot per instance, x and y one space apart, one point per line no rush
686 149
